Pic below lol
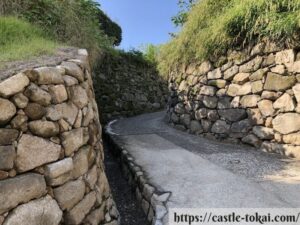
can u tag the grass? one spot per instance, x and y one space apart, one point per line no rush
21 40
213 27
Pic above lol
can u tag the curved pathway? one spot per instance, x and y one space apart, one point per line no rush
202 173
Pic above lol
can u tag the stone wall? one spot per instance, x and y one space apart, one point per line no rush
253 98
128 86
51 153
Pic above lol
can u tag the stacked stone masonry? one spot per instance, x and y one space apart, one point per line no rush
51 153
151 198
126 88
254 99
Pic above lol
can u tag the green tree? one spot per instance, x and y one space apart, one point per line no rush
184 6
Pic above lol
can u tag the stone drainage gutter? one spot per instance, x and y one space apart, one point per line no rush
152 199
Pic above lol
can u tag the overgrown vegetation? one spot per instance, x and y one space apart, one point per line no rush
77 23
19 39
213 27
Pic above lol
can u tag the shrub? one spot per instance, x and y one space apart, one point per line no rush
213 27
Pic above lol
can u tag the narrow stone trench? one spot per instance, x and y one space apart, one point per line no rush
130 211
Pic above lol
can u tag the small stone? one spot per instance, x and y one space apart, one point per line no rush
229 73
292 139
48 75
10 195
35 111
251 139
44 211
287 123
79 118
7 157
13 85
220 127
257 87
204 68
241 78
74 139
243 126
245 89
263 132
285 103
78 96
8 136
252 65
208 90
7 111
80 161
201 114
69 194
70 81
233 90
185 119
213 115
96 216
38 95
73 70
269 61
255 116
20 100
44 128
67 111
58 93
249 101
88 116
266 107
279 69
33 152
233 115
91 177
269 122
275 82
196 127
258 75
210 102
296 90
286 56
217 83
19 122
215 74
224 103
3 175
235 103
270 95
79 212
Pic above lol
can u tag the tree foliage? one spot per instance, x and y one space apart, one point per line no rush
184 6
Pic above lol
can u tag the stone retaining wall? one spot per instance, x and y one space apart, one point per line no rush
51 153
152 200
253 98
126 87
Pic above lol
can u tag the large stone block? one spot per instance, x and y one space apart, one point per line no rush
7 111
264 133
296 90
81 163
35 111
285 103
266 107
44 128
34 151
74 139
67 111
20 189
276 82
78 213
229 73
59 172
13 85
8 136
286 56
73 70
233 114
292 139
249 101
38 95
48 75
252 65
78 96
220 127
287 123
44 211
243 126
69 194
208 90
7 157
215 74
20 100
210 102
58 93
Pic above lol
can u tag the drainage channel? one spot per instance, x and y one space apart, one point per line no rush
130 210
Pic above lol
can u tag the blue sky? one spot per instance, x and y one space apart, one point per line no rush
142 21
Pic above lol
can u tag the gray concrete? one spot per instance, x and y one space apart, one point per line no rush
206 173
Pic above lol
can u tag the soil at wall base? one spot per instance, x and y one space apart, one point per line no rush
129 209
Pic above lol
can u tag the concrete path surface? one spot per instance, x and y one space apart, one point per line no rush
202 173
